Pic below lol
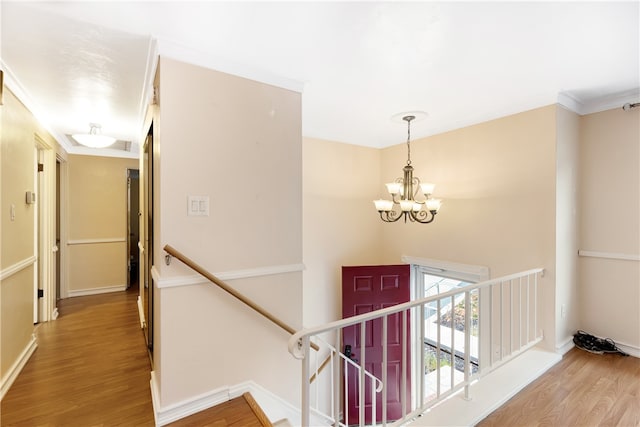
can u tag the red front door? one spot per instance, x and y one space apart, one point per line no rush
365 289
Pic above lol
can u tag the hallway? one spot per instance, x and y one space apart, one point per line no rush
91 368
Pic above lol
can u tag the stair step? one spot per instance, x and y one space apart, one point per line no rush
241 411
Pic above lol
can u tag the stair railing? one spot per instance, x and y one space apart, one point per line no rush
501 313
224 286
339 363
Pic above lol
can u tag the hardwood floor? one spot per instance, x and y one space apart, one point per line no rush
583 389
91 368
238 412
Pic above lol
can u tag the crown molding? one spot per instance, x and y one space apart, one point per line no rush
607 102
12 83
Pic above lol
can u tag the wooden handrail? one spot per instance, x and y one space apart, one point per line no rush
322 366
196 267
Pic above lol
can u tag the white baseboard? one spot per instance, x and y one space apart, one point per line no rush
565 346
274 407
95 291
168 414
55 314
18 365
629 349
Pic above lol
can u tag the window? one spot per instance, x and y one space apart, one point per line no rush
433 277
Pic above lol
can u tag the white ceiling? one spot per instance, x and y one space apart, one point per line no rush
356 63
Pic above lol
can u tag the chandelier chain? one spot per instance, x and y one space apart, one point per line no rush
408 119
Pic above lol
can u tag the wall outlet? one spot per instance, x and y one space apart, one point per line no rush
563 311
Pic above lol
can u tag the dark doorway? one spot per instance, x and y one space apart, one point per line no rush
146 239
133 226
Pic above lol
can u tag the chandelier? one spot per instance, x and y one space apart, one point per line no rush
404 192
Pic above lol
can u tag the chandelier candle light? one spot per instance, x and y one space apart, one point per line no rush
404 192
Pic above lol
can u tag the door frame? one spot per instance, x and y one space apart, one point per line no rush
63 212
146 240
45 232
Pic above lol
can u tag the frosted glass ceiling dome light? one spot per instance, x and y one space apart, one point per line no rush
404 192
94 139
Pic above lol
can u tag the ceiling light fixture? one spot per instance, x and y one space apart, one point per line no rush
403 194
94 139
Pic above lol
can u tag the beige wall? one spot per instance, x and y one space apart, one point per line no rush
239 143
610 223
97 223
498 183
497 180
340 225
18 133
522 191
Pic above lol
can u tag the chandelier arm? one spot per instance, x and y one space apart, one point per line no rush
422 216
389 216
416 185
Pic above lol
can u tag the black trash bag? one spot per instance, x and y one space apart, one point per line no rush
596 345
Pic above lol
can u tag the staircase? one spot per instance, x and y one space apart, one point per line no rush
495 322
242 411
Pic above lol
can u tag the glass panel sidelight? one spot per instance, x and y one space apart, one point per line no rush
444 363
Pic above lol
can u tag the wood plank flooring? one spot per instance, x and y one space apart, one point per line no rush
583 389
91 368
234 413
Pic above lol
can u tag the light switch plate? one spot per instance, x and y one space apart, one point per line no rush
30 197
198 206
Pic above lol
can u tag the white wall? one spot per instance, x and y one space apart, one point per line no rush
341 225
567 148
610 222
238 142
